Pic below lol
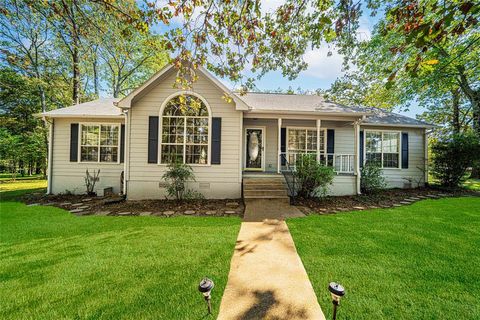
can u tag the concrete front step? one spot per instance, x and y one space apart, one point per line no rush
265 188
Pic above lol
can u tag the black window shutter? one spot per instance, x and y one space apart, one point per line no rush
330 141
283 144
74 142
404 150
122 143
361 148
216 151
152 139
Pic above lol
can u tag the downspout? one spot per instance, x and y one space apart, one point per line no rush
358 174
126 155
50 155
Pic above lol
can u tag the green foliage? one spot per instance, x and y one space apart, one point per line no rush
372 179
314 177
453 156
177 176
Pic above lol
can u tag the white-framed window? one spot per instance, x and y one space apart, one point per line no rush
383 148
185 131
99 142
304 140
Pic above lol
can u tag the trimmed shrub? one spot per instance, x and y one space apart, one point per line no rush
177 177
372 179
453 156
313 177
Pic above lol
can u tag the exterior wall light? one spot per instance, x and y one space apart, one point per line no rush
337 291
205 287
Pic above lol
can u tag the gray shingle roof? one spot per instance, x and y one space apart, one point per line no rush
271 102
103 107
382 117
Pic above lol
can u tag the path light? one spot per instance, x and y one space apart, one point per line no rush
337 291
205 287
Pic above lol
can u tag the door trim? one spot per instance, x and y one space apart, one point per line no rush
264 132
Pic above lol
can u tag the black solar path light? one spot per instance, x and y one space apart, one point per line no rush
337 291
205 287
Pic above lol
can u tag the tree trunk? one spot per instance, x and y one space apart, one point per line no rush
456 110
76 74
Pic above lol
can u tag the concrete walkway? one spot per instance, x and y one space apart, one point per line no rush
257 210
267 279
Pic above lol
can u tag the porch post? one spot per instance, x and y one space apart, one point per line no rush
319 123
356 129
279 144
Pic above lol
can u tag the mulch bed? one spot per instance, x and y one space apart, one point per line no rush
117 206
384 199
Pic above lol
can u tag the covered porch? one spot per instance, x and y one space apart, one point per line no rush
272 144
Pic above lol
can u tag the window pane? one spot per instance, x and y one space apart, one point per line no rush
390 160
375 158
108 154
373 142
109 135
311 140
390 142
172 153
90 135
196 154
89 154
322 141
172 130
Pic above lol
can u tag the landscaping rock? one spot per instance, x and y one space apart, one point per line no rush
145 213
211 212
87 200
83 207
359 208
33 205
405 202
373 207
189 212
397 205
76 210
126 213
342 209
415 198
168 213
229 212
77 204
232 204
421 197
322 210
64 204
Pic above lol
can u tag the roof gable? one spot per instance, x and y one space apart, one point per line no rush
161 75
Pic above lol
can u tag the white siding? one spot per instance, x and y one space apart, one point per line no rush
215 181
69 176
397 178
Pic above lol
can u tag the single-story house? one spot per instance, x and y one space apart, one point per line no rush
225 137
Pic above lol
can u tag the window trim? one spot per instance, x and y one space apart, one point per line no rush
79 152
160 128
382 132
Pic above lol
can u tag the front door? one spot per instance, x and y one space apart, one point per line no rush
254 149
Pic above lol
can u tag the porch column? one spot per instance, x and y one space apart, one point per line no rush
356 129
319 123
50 155
279 145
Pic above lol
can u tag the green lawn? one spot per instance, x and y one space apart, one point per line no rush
415 262
55 265
10 190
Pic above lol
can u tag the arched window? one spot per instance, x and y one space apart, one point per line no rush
185 130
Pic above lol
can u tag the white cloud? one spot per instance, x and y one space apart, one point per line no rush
322 66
